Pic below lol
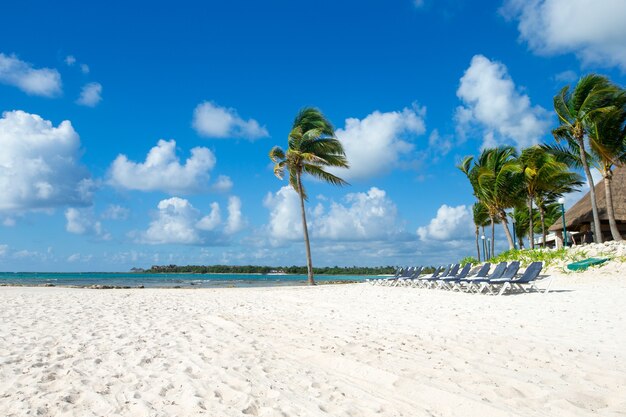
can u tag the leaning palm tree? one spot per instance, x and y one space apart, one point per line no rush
499 183
577 110
607 140
520 223
312 146
545 179
480 216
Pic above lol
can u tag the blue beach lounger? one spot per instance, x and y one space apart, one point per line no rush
449 281
427 282
526 282
470 284
508 274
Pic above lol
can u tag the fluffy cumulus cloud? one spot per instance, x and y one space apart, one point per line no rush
162 170
214 121
90 95
83 222
493 107
450 223
177 221
360 217
235 221
285 222
593 30
376 144
223 184
38 82
40 164
116 212
363 216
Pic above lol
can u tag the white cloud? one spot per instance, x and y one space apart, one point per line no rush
418 3
3 250
39 82
77 257
70 60
285 222
566 76
592 29
84 68
116 212
90 95
213 121
495 107
82 222
440 145
450 223
40 164
163 171
212 220
364 216
235 221
177 221
376 144
223 184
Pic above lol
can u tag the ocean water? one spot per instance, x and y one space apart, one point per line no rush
86 279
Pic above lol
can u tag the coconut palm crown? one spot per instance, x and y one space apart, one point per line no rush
311 147
577 110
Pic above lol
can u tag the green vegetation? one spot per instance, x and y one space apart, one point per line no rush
312 146
254 269
548 257
469 260
511 184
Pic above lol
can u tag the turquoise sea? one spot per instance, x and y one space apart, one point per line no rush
87 279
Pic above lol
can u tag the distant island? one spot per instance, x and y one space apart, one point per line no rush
255 269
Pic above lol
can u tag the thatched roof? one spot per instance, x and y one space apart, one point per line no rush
580 213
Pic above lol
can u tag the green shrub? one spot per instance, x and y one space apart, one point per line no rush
469 260
548 257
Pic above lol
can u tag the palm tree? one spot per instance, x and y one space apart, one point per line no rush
520 223
499 183
471 172
607 140
545 180
480 215
311 147
576 110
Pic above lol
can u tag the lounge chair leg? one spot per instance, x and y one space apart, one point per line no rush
505 286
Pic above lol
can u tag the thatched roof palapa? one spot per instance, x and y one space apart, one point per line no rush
580 213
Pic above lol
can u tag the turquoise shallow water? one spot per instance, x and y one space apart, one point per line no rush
87 279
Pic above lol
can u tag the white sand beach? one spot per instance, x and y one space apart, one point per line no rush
337 350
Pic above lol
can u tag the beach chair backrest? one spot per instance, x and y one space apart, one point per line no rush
511 270
531 273
446 271
436 271
483 271
454 270
416 272
464 271
498 271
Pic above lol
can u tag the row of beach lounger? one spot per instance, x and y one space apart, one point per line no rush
505 278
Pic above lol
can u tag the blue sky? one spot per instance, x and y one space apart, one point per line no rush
136 133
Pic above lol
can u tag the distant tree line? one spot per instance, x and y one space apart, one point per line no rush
256 269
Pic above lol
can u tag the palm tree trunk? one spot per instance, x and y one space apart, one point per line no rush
507 232
597 233
309 262
531 229
477 245
520 241
542 217
493 238
608 179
